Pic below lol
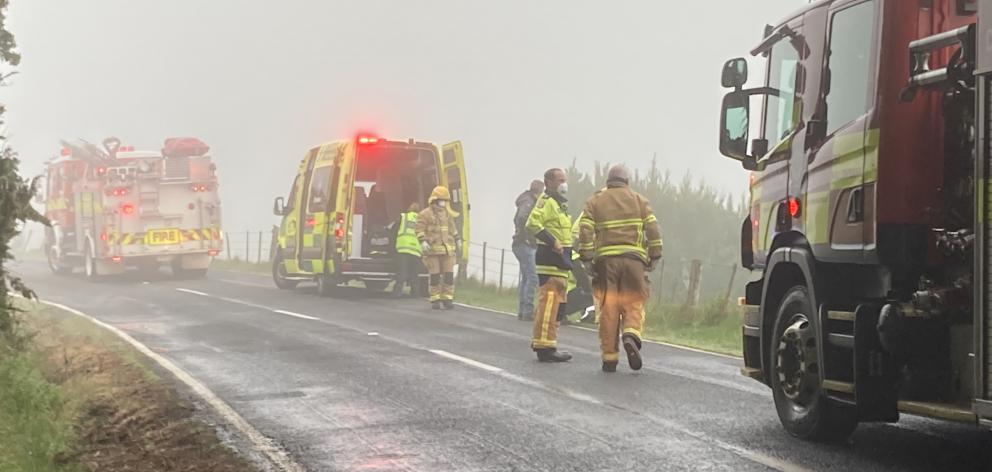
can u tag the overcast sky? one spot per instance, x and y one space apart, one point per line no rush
525 85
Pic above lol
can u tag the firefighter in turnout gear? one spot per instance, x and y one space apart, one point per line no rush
550 224
408 251
438 237
619 234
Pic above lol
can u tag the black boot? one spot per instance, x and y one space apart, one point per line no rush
436 304
633 347
553 355
448 304
609 366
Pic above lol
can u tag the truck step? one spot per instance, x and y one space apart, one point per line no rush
838 386
840 315
945 411
845 341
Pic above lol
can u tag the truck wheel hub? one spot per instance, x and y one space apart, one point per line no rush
796 366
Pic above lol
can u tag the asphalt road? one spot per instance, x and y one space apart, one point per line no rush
367 383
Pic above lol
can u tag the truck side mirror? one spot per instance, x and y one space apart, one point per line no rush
279 206
735 125
734 73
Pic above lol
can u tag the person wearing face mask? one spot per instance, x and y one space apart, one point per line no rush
439 241
550 224
620 237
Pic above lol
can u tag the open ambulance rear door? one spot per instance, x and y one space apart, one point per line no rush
453 177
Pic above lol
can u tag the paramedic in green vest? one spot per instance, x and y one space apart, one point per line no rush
408 252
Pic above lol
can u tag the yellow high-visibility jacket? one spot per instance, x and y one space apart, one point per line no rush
549 222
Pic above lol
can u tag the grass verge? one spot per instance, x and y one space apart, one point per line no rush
75 398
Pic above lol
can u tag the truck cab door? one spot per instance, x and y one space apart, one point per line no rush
453 177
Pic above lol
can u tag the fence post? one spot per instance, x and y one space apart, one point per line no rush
259 260
695 273
484 244
502 259
730 285
227 239
247 244
661 280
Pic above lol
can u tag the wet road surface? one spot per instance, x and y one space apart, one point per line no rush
368 383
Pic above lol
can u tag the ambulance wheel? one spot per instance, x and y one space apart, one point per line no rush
279 275
327 286
55 264
803 409
89 265
376 285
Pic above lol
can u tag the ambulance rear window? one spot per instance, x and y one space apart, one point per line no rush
320 195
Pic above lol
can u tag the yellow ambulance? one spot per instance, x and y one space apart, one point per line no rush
337 222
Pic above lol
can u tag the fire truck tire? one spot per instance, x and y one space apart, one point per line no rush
279 275
90 267
56 265
803 409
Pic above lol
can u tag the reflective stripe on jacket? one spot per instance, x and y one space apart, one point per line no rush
406 235
618 221
549 222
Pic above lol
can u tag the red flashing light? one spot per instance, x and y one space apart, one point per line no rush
116 258
199 188
213 252
127 209
101 170
367 140
311 221
117 192
103 236
65 152
794 207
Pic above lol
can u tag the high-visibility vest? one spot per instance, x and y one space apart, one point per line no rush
548 215
406 236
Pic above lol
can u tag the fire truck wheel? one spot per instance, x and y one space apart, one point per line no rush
279 275
55 264
802 407
90 266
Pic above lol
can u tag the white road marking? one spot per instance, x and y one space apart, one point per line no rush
373 333
247 284
465 360
194 292
279 458
297 315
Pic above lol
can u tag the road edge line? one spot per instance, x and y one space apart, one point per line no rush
263 444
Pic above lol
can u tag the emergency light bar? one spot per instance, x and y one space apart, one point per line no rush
368 140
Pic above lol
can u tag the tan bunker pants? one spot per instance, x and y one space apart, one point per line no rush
620 288
441 268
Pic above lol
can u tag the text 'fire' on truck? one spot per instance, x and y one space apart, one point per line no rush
116 207
868 234
337 223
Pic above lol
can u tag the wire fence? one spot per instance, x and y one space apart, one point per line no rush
676 280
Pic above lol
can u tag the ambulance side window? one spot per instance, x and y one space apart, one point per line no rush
320 190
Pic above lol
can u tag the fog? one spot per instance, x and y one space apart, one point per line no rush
524 85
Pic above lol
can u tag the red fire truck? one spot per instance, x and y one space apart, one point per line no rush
116 207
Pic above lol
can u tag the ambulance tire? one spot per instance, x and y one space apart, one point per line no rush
803 408
279 274
376 285
57 267
327 286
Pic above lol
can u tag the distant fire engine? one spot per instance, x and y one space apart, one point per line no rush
116 207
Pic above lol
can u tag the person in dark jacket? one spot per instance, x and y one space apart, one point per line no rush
525 249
